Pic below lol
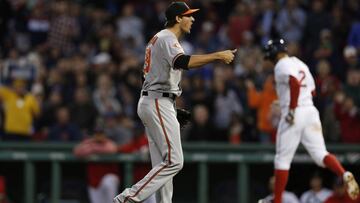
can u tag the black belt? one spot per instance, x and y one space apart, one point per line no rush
164 94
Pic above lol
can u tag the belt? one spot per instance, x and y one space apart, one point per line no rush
159 94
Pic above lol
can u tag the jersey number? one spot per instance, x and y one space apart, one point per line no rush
302 75
148 55
147 60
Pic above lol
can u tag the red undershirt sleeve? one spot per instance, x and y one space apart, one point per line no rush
294 91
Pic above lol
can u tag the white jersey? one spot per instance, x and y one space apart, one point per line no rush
159 72
287 197
292 66
315 197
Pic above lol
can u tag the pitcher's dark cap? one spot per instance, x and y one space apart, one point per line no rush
178 8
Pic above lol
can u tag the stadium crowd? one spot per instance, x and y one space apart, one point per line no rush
69 69
76 66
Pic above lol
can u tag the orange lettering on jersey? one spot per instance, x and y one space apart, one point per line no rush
148 55
153 40
147 60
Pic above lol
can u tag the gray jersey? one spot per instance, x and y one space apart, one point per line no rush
160 55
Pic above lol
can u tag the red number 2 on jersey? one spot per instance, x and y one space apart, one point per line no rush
302 75
148 55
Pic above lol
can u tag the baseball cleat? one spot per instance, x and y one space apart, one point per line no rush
352 186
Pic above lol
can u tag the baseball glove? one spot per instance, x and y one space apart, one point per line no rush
183 116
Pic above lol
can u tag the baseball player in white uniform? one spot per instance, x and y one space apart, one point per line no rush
300 120
164 62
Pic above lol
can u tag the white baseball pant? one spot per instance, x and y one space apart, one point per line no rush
307 130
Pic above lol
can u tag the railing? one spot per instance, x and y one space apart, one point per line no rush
201 153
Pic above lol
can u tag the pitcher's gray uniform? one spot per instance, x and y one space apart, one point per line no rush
159 117
164 61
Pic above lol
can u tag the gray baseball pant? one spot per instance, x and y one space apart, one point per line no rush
158 115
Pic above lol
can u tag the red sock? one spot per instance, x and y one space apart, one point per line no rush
334 165
281 178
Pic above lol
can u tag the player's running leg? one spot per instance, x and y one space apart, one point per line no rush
313 141
287 141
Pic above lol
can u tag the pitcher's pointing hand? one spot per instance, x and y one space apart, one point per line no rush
227 56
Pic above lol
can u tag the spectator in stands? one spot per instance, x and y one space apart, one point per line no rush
38 25
201 128
261 101
104 178
330 124
351 8
63 129
130 29
47 118
129 92
83 111
101 65
21 39
287 197
64 28
55 81
249 57
20 110
351 58
154 19
17 65
317 193
352 85
81 81
226 103
349 118
106 36
119 128
207 40
340 24
199 94
266 21
354 35
326 48
240 20
339 194
88 39
104 96
326 85
317 21
290 21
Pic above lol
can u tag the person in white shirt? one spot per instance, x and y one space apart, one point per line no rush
317 193
287 197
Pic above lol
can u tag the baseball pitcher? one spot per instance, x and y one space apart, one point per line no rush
164 62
